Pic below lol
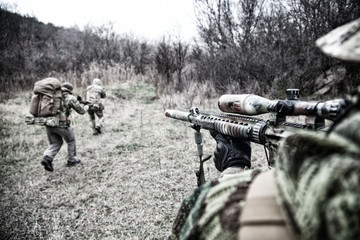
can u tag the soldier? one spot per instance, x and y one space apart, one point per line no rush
64 131
93 95
312 193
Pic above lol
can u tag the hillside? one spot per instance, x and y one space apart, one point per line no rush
131 182
271 51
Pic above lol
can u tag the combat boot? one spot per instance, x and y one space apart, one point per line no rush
47 163
73 163
98 129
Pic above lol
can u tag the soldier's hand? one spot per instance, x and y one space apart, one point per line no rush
230 151
79 98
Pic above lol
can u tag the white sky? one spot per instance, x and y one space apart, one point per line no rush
151 19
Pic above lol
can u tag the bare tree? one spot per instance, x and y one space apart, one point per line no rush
180 51
270 43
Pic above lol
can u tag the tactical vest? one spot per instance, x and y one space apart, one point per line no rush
262 216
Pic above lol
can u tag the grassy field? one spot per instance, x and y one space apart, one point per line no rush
130 184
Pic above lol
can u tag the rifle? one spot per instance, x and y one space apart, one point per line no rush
236 119
79 98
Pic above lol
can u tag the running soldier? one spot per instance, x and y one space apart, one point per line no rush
94 94
63 131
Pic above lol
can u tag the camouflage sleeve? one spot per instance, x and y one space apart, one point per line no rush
318 180
75 104
212 211
190 203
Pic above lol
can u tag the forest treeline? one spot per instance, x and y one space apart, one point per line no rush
258 46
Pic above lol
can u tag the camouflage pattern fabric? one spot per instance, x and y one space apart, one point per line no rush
57 134
42 121
60 120
70 102
318 177
212 211
342 42
94 94
98 111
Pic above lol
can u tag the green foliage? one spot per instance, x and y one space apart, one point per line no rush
142 91
117 130
123 93
128 147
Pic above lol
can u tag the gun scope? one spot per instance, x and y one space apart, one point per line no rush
250 104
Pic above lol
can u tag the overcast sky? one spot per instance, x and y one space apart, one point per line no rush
151 19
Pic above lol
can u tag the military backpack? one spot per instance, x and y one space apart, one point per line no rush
46 103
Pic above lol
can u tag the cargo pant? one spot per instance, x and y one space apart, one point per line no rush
56 135
98 111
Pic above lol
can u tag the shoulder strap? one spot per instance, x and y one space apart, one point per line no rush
262 216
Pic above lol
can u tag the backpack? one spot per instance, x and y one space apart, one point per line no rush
93 95
46 103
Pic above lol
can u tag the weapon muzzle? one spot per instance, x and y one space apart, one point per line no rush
183 116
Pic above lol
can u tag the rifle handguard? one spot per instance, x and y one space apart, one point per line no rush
223 124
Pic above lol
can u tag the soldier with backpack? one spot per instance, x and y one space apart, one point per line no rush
57 133
94 94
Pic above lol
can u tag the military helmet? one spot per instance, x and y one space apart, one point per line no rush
342 42
67 87
97 81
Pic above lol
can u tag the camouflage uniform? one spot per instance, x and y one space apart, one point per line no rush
316 182
94 94
63 131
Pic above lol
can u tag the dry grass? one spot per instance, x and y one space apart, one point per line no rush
130 185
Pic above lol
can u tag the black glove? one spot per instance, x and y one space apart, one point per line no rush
230 152
79 98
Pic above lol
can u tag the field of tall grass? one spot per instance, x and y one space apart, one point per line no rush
132 179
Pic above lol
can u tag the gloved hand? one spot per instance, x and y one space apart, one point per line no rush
230 152
79 98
